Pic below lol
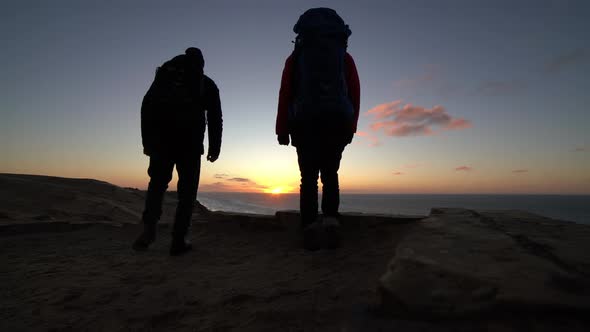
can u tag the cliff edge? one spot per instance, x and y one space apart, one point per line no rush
67 265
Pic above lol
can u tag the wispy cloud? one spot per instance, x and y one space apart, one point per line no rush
228 183
397 173
372 139
245 180
463 168
500 88
572 58
216 186
517 171
397 119
580 149
361 133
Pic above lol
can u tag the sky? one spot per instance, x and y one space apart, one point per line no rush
456 96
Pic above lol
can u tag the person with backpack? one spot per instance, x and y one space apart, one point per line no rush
180 104
318 110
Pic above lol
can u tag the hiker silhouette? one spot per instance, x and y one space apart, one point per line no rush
318 111
180 104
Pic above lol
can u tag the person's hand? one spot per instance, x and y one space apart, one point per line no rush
212 156
283 139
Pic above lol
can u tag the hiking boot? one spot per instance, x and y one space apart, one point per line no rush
312 236
147 237
180 246
331 233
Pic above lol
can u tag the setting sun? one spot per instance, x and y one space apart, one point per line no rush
278 190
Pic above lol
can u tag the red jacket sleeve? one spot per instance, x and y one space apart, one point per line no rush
354 88
285 98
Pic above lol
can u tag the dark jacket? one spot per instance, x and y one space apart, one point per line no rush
286 94
180 130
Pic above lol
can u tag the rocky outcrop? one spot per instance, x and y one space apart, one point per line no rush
65 245
459 262
35 199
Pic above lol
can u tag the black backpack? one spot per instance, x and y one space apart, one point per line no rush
178 84
320 87
172 111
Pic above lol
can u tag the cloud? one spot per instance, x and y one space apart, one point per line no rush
245 182
398 173
520 171
572 58
411 166
579 149
397 119
361 133
386 110
458 123
463 169
216 186
500 88
371 138
228 183
240 180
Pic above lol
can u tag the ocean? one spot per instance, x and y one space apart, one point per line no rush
565 207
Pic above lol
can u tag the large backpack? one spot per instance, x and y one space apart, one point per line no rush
172 109
321 100
178 83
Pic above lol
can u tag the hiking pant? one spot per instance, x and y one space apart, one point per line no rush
314 160
160 172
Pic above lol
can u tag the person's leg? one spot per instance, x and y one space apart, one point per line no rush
188 169
160 172
330 163
308 191
308 196
331 196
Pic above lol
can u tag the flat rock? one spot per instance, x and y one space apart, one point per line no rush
292 217
459 262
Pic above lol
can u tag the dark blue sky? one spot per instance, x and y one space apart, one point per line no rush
515 72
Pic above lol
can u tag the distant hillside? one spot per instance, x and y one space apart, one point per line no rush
27 198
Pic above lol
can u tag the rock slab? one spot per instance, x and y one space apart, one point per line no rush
459 262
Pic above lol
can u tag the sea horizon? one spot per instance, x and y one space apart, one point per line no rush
378 193
564 207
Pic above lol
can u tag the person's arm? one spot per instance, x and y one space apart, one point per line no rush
214 119
354 88
149 123
285 98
